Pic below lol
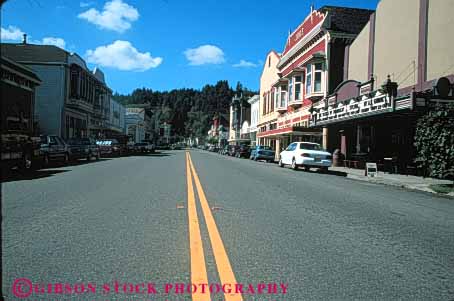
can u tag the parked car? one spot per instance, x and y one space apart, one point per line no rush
144 147
163 146
244 151
232 150
224 150
307 155
131 148
262 152
53 148
109 147
175 146
83 148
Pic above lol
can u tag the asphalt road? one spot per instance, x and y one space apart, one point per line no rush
95 227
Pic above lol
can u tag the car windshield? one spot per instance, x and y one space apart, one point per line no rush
310 146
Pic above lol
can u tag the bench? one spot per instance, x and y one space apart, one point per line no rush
351 163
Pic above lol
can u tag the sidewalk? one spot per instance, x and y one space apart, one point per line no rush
410 182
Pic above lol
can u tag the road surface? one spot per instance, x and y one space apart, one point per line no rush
147 227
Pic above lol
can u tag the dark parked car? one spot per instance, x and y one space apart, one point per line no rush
224 150
175 146
262 152
232 150
243 151
163 146
110 147
83 148
144 147
53 148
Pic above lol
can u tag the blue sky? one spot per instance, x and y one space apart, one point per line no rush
164 44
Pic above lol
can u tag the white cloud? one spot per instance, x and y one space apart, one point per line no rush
123 56
86 4
244 64
12 33
116 16
59 42
205 54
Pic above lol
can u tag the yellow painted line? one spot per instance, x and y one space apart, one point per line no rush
220 255
198 267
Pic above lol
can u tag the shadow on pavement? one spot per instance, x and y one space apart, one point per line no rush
84 161
156 154
329 172
16 175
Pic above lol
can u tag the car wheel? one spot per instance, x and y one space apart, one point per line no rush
294 166
280 163
307 168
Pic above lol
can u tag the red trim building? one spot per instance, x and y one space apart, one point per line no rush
395 70
309 68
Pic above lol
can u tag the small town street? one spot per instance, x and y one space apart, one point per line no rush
316 236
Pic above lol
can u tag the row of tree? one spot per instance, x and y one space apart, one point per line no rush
189 111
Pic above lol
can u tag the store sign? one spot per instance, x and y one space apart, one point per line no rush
371 169
353 108
365 89
316 18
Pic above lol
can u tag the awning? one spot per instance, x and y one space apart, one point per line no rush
290 131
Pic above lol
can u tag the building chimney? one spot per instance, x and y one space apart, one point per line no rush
24 41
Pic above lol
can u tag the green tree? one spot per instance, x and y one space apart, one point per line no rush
434 141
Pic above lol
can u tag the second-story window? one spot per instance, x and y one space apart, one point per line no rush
290 89
318 71
309 79
276 97
283 96
314 78
298 87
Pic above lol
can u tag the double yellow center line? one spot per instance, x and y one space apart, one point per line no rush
198 266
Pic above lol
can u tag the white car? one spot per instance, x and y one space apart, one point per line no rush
307 155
